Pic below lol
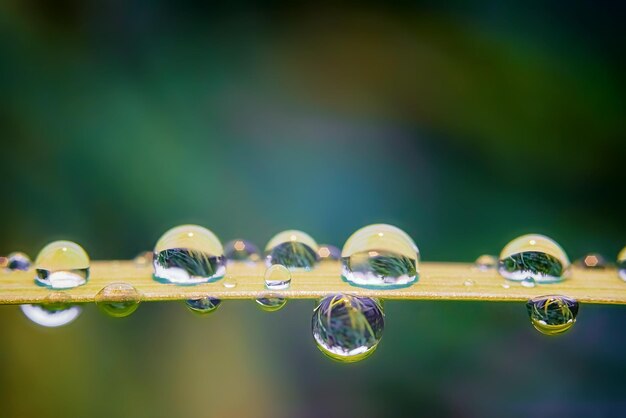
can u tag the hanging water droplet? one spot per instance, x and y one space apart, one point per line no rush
51 315
592 261
328 253
242 250
621 264
18 261
62 265
204 305
277 277
230 283
534 256
380 256
552 315
143 259
271 303
486 262
469 282
528 282
348 328
293 249
188 254
118 300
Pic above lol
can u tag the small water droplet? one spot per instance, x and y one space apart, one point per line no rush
592 261
271 303
144 258
328 253
62 265
535 256
242 251
621 264
293 249
51 315
118 300
552 315
18 261
380 256
528 282
204 305
277 277
188 254
469 282
348 328
230 282
505 285
486 262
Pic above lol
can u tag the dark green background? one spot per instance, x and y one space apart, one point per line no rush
466 125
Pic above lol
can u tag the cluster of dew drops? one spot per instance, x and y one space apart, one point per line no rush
346 328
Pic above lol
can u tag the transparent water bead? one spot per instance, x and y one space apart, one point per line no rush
552 315
271 303
592 261
18 261
242 250
277 277
328 252
380 256
348 328
533 256
293 249
204 305
51 315
118 300
62 265
187 255
621 264
486 262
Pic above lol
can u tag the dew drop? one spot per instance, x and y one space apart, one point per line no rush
51 315
18 261
62 265
380 256
204 305
534 256
552 315
469 282
277 277
230 283
505 285
528 282
271 303
348 328
293 249
188 254
118 300
592 261
143 259
486 262
328 253
242 250
621 264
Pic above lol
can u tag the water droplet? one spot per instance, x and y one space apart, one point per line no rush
592 261
486 262
143 259
328 252
242 250
51 315
528 282
505 285
271 303
534 256
380 256
348 328
293 249
277 277
18 261
204 305
469 282
552 315
621 264
188 254
230 282
118 300
62 265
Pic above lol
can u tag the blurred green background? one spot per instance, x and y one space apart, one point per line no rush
465 124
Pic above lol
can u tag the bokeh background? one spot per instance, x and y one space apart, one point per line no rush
466 124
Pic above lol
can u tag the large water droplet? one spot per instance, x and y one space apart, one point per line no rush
486 262
242 250
592 261
328 253
51 315
621 264
277 277
118 300
293 249
348 328
380 256
204 305
62 265
552 315
18 261
271 303
534 256
188 254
